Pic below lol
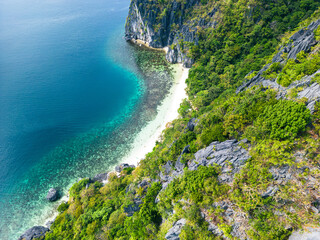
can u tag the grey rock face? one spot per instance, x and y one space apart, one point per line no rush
142 24
224 154
302 40
227 154
281 173
174 232
132 208
164 175
313 234
191 124
52 195
214 229
313 95
231 217
34 232
271 191
101 177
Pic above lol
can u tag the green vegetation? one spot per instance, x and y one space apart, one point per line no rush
283 120
295 70
282 134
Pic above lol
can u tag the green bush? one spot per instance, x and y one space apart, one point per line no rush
62 207
215 133
283 120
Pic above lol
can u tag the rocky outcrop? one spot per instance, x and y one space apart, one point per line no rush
53 195
271 191
167 25
228 154
191 124
229 214
311 234
132 208
36 232
101 177
123 166
174 232
302 40
310 92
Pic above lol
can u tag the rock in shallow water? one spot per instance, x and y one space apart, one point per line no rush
53 195
33 233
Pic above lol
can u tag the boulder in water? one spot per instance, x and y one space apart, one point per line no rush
52 195
34 233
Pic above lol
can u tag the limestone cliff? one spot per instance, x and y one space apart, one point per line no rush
171 25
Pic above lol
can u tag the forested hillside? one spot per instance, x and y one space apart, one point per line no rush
242 161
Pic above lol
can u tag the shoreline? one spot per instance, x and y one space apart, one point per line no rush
145 140
141 43
167 112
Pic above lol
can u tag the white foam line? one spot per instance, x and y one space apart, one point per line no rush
168 111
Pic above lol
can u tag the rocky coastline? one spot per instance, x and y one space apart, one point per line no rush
143 26
157 27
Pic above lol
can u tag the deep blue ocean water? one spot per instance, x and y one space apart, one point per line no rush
62 99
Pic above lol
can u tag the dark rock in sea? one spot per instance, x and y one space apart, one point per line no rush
174 232
132 208
34 233
53 195
191 124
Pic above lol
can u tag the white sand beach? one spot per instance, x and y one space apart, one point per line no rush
168 111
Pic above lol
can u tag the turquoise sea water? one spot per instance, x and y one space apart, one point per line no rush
72 98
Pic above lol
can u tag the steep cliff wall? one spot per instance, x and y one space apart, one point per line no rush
174 25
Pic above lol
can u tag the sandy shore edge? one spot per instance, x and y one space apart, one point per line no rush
146 139
167 112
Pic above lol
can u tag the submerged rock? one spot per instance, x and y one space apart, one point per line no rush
53 195
34 232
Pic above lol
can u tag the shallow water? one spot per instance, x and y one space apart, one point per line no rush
73 96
